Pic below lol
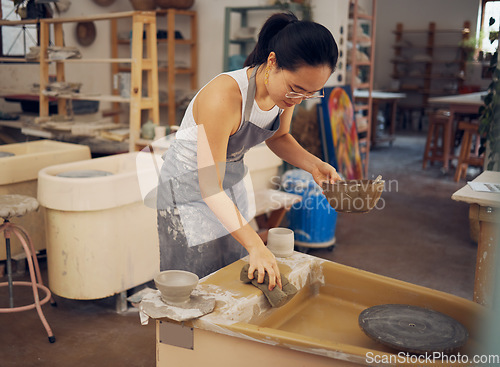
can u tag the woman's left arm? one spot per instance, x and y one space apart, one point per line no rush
284 145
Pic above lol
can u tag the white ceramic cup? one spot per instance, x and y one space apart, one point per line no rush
280 241
160 132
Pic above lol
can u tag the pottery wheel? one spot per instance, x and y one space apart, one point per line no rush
413 329
198 305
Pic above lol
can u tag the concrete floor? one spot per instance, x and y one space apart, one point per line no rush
420 236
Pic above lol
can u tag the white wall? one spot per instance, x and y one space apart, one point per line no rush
447 14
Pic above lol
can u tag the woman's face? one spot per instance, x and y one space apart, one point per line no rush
288 88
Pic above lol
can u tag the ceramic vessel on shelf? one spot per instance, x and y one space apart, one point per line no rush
143 4
176 4
148 130
280 241
176 286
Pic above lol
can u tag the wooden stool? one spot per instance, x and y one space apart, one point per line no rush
468 156
438 144
17 206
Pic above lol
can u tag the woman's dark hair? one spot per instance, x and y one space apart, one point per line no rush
295 43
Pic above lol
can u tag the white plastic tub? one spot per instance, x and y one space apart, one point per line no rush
19 168
263 166
102 239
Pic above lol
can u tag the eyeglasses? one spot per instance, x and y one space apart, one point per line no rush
319 94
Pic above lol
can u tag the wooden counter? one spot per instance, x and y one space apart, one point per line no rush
318 327
484 215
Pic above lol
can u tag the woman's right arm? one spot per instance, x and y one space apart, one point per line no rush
217 111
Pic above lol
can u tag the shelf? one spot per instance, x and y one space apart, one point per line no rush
242 40
287 6
93 97
165 12
5 91
424 31
161 40
18 22
360 107
365 17
424 76
93 18
436 47
432 61
80 61
17 59
434 92
143 142
179 70
188 71
361 86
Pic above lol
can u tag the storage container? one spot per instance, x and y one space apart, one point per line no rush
312 219
263 166
102 239
19 166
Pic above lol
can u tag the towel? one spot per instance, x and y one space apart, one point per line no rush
277 297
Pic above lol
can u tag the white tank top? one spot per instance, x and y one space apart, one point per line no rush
263 119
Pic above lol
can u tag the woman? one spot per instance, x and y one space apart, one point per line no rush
203 212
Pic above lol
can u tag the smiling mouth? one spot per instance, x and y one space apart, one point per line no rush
288 104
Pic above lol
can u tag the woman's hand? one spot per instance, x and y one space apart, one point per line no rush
263 260
323 172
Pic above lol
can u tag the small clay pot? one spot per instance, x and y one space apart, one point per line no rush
176 286
176 4
143 4
280 241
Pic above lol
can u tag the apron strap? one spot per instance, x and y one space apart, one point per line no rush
250 94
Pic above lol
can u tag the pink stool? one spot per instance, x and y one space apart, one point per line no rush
17 206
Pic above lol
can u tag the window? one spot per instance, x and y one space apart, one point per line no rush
490 10
15 41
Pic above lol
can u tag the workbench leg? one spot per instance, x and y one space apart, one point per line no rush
121 302
484 280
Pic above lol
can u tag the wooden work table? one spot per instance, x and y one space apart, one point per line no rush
380 97
462 104
484 215
26 126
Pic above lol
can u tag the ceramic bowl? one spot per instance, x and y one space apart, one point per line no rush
353 196
176 4
143 4
280 241
176 286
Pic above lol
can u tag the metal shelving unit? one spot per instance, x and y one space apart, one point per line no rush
246 44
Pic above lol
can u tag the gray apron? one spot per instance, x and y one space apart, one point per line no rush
191 236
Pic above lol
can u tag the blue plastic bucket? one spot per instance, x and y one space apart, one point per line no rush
312 219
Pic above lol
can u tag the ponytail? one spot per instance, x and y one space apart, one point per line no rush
295 43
